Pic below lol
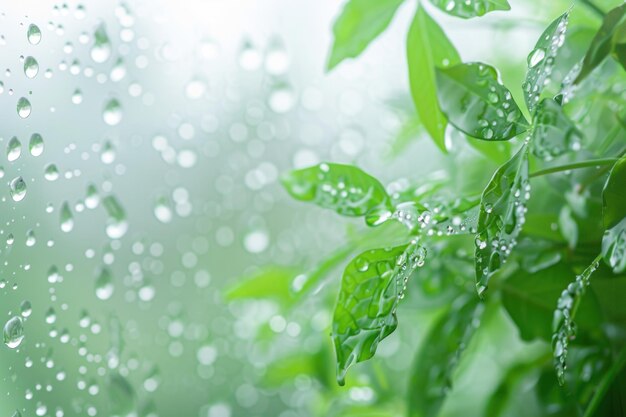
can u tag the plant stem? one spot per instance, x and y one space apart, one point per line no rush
593 7
605 383
574 165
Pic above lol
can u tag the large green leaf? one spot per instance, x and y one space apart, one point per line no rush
528 298
372 285
502 214
563 326
427 48
603 43
541 60
343 188
360 22
470 8
435 361
553 133
475 102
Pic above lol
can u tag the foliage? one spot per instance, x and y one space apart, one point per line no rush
544 234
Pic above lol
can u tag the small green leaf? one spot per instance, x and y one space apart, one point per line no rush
614 195
541 60
502 214
427 48
614 247
603 43
476 103
435 361
553 133
360 22
563 326
467 9
343 188
372 285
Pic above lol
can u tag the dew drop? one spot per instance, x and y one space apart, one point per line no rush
536 57
101 49
67 219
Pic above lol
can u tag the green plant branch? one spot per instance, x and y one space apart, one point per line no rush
605 383
593 7
574 165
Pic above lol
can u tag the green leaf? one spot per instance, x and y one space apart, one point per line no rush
563 326
270 282
614 247
342 188
428 48
360 22
467 9
372 285
435 361
553 133
603 43
502 214
614 217
614 195
568 226
476 103
541 60
528 298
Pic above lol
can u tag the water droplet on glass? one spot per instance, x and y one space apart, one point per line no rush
112 113
35 146
117 225
23 107
13 332
26 308
18 189
31 67
14 149
66 217
33 34
101 49
104 284
51 172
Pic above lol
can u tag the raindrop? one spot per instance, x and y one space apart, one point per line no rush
14 149
18 189
117 225
13 332
51 172
112 113
31 67
23 107
67 219
535 57
104 284
33 34
36 144
26 308
101 49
